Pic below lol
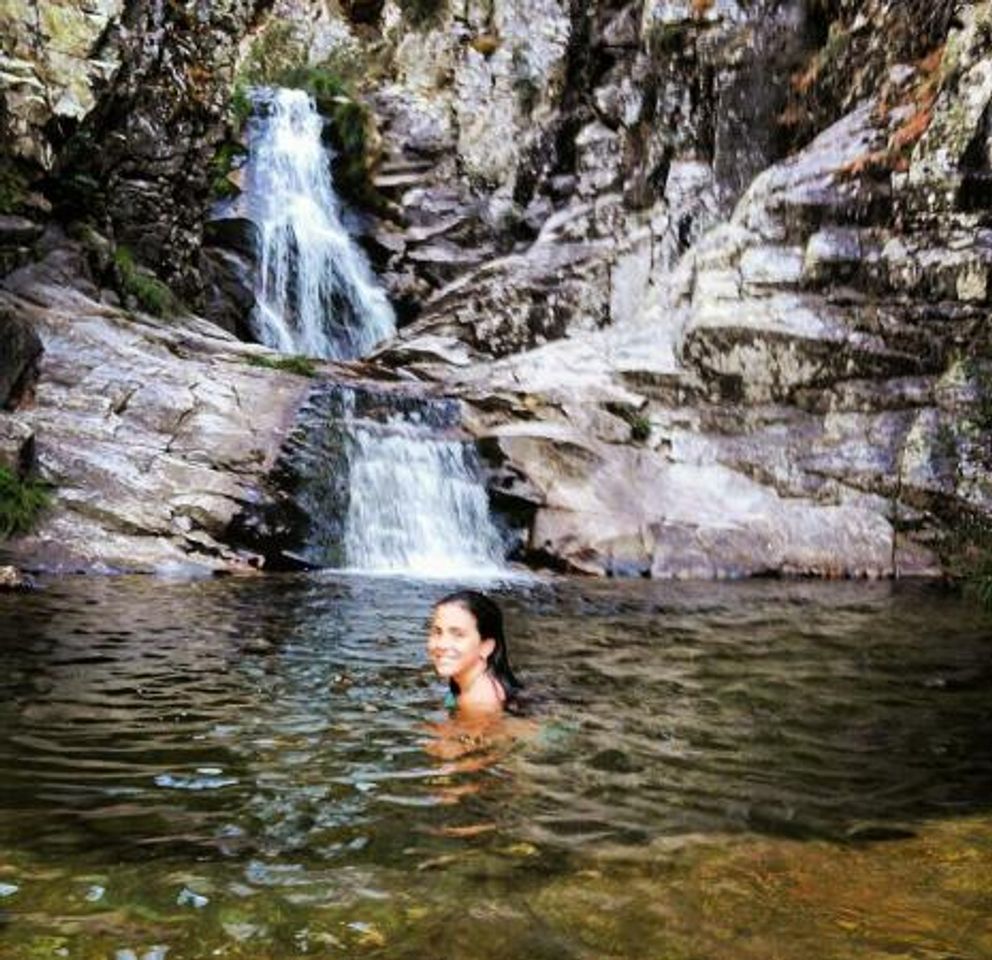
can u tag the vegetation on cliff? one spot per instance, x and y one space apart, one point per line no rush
278 57
301 366
21 502
139 283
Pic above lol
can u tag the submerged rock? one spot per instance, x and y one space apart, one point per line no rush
12 579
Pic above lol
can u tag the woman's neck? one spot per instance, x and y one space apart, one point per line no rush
468 679
478 690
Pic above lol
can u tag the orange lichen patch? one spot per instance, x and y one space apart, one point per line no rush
198 77
792 115
920 100
911 131
802 80
876 161
932 61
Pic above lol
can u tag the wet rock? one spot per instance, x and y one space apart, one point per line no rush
20 348
16 446
12 579
18 231
229 295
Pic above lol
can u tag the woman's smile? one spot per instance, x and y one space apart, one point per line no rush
454 645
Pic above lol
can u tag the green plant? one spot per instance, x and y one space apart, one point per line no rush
639 423
979 582
21 501
301 366
640 428
968 557
240 105
153 296
229 157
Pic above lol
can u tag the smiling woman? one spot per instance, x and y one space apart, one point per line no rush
467 645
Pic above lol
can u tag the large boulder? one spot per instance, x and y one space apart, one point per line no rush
153 436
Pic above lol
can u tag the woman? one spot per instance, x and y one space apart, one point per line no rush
467 646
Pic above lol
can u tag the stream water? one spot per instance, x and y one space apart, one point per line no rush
260 768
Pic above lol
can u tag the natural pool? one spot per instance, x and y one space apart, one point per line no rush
250 768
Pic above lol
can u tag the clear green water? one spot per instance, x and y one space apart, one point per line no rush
260 769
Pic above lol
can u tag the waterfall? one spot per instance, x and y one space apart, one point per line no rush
315 293
416 500
387 484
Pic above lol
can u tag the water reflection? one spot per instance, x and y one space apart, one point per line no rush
247 763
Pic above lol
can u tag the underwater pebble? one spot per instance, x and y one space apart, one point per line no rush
8 889
190 898
194 783
242 931
95 893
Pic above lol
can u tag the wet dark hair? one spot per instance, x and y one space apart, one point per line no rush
489 621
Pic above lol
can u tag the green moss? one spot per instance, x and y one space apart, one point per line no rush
21 501
276 50
301 366
228 158
153 296
640 428
13 186
667 39
239 106
639 423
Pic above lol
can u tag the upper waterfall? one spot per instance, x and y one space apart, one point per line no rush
315 292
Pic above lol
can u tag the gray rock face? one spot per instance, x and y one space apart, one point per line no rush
139 164
802 393
53 59
154 437
16 446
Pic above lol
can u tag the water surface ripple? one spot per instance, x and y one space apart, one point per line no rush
246 762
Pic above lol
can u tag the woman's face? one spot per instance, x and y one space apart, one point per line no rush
454 644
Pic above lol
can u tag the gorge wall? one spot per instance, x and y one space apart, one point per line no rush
711 277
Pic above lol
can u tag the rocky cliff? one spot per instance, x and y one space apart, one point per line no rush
711 277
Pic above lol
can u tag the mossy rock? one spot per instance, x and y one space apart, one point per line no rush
139 283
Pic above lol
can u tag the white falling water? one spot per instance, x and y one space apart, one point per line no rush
416 504
316 294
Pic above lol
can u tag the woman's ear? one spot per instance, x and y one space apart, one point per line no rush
486 648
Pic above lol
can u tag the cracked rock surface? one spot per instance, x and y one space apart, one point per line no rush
153 435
